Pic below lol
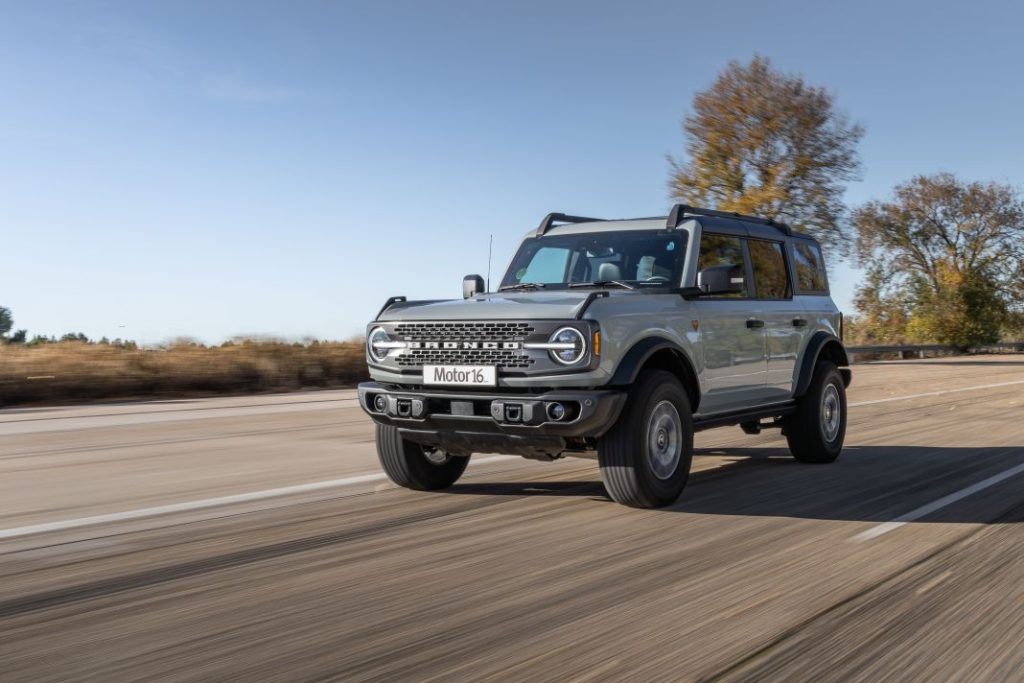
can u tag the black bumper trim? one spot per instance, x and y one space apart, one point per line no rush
593 411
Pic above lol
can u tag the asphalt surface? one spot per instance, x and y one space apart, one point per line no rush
255 539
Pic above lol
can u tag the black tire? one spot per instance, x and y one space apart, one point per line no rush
627 456
406 463
808 431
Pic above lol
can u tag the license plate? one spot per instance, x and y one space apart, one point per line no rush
462 375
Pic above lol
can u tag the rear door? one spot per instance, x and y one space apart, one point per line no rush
732 334
786 325
812 289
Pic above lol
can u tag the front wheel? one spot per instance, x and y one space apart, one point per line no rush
645 458
816 430
414 465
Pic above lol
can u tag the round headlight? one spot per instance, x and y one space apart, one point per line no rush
572 346
378 343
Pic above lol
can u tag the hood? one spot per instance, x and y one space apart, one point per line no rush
555 305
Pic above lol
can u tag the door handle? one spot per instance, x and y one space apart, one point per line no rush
754 324
799 322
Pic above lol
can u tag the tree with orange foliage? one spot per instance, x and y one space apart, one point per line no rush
766 143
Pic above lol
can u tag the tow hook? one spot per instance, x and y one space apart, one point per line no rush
517 412
406 408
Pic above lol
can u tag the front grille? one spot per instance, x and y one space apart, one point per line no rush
513 359
504 358
493 331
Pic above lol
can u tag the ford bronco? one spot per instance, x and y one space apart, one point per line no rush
620 338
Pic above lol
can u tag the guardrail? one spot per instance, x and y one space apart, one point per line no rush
919 350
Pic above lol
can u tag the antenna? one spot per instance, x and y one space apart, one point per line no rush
490 246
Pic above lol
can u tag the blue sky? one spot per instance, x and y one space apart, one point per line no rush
213 168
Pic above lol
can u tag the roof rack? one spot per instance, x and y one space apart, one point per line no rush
552 218
679 211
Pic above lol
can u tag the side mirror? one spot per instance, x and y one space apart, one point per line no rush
724 279
472 285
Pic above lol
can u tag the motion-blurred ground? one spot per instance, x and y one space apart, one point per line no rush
764 570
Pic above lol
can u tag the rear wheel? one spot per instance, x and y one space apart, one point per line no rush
414 465
816 430
645 458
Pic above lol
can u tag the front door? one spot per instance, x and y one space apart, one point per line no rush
732 333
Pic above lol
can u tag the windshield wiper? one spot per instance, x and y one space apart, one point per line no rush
603 283
522 285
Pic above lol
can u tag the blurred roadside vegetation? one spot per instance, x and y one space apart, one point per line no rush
77 369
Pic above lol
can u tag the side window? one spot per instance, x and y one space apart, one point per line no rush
770 277
720 250
809 267
547 265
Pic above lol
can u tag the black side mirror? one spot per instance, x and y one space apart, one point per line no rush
472 285
724 279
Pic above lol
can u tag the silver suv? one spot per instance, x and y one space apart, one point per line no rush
620 337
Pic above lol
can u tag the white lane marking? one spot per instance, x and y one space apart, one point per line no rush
63 424
937 393
886 527
169 405
214 502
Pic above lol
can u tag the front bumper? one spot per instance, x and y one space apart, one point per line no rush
516 422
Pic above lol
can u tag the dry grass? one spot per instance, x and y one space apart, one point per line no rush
70 371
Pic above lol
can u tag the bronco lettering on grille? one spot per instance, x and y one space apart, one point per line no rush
506 346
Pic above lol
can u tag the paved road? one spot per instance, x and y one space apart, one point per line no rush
254 539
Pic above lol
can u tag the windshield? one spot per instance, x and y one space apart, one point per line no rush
633 257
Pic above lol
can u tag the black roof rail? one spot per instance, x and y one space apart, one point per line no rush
679 211
552 218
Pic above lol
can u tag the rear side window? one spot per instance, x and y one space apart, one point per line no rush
770 276
809 267
721 250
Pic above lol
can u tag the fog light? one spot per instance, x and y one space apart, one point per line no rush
380 403
556 411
